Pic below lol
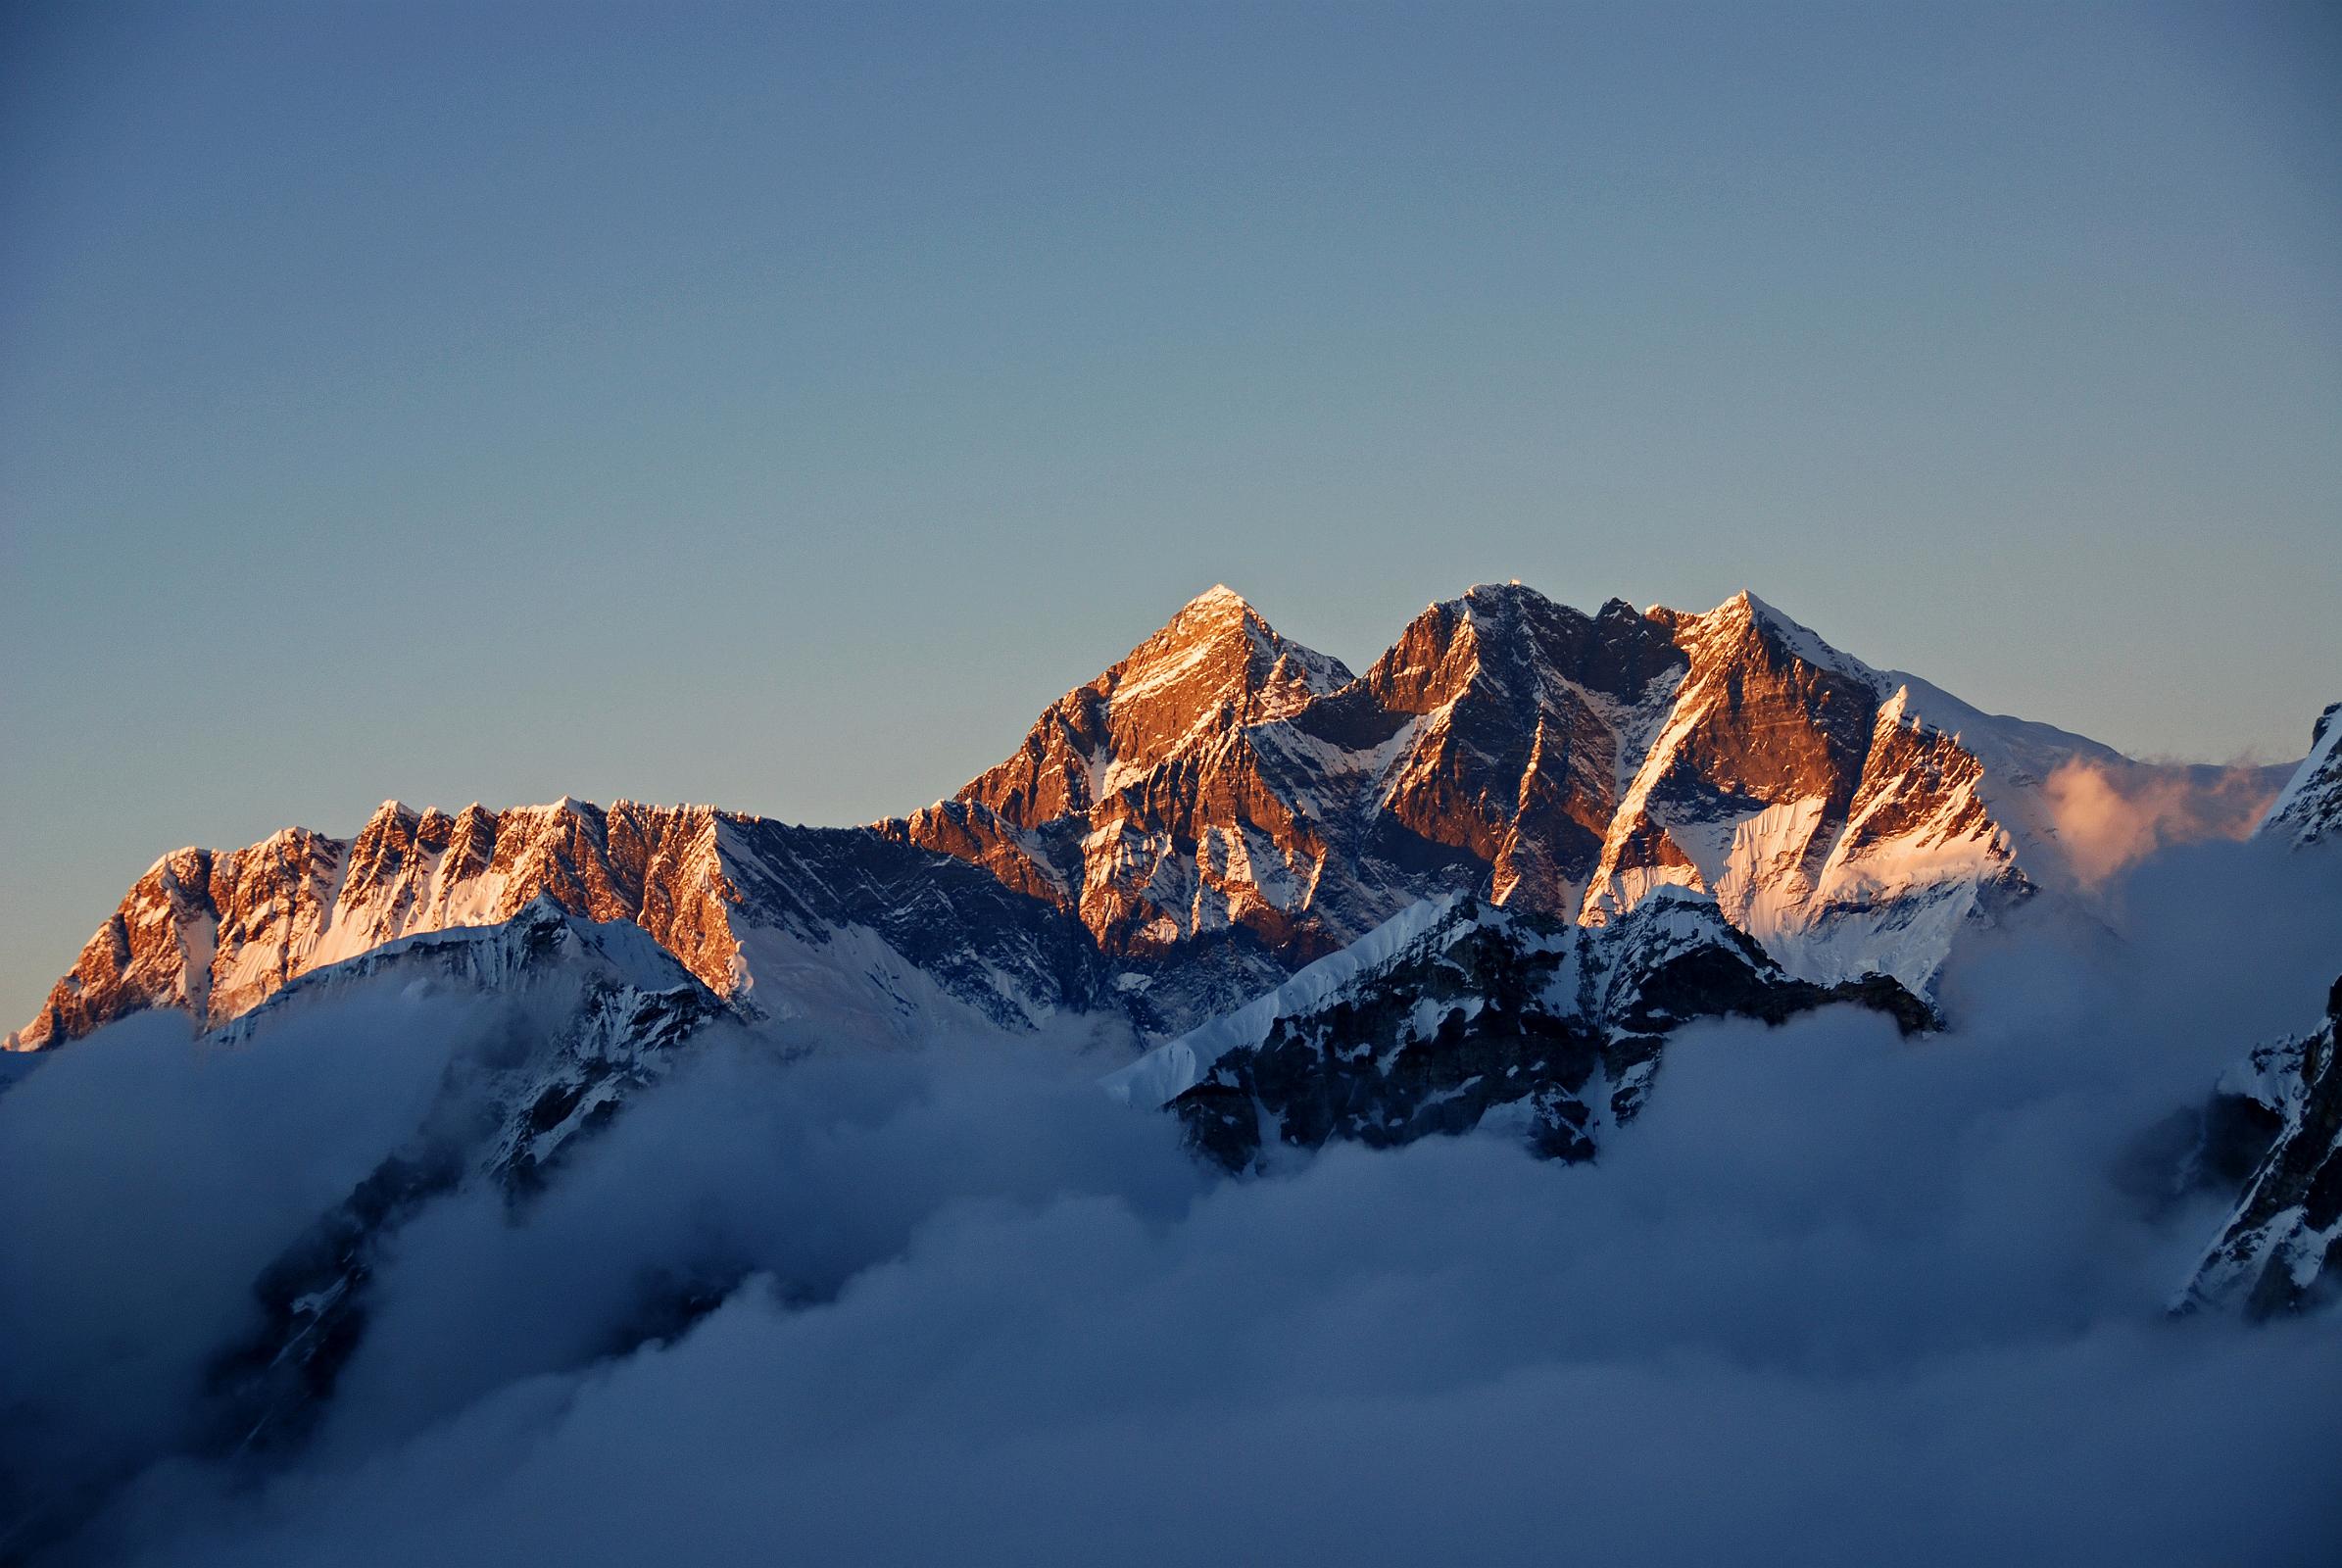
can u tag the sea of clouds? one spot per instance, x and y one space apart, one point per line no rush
1835 1298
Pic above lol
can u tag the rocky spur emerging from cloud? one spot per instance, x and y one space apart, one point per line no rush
1836 1296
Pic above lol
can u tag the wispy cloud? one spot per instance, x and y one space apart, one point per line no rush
2109 819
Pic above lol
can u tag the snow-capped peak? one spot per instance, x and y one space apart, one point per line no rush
1792 635
1217 599
1222 781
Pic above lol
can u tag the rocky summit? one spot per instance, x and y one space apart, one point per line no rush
835 927
1459 1015
1478 886
1218 810
1225 793
2280 1111
2309 809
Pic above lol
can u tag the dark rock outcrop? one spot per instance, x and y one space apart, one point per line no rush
1487 1015
2280 1249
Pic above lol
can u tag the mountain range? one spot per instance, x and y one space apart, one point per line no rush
1478 885
1223 806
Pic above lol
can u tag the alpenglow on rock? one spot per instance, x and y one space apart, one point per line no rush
1225 791
1219 808
852 936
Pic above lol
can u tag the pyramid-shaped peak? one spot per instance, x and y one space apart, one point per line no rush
1748 606
1221 624
1218 614
1214 668
1745 609
1219 611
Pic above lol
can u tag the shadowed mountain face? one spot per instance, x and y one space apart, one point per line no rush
1223 785
869 938
1220 807
1478 886
584 1018
1214 811
2281 1248
1459 1015
2308 809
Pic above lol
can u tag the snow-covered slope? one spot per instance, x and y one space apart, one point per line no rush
1457 1013
838 930
2281 1246
580 1017
1851 819
2309 809
1172 1069
1222 808
1831 817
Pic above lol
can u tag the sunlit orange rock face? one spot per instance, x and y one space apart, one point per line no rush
213 934
138 957
1516 712
1143 778
1223 784
216 933
1223 805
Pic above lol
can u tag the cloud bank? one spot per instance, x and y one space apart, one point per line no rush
1835 1298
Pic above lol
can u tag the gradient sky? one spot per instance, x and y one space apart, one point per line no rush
779 407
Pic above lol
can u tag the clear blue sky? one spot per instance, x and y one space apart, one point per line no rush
778 406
